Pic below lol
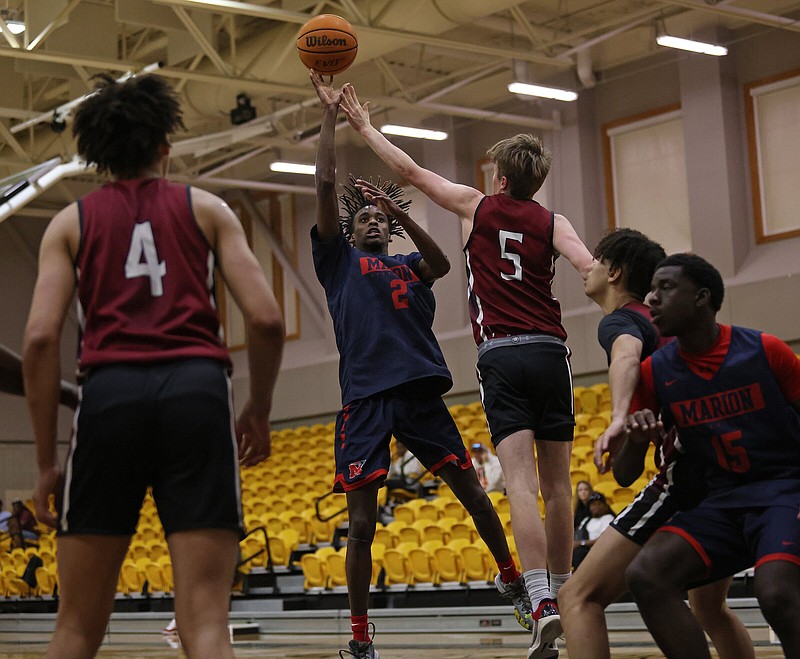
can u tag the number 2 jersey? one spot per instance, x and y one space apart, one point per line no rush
732 408
382 316
145 276
510 268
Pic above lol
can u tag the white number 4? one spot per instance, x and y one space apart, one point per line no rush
144 245
511 256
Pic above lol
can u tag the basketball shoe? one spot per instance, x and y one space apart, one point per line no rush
546 628
516 593
360 650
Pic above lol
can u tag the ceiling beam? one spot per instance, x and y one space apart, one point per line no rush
52 25
201 40
275 14
739 12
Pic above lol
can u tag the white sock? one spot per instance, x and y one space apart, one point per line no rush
537 585
556 581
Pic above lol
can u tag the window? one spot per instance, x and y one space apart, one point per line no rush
773 136
645 170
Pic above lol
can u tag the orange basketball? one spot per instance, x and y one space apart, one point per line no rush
327 43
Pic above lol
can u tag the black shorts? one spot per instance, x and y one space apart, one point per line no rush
167 425
648 512
365 427
528 387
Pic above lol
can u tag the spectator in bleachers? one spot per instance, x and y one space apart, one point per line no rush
5 515
405 468
583 490
590 528
403 480
487 464
21 524
620 279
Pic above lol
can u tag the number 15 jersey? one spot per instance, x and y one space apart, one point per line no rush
737 419
510 268
145 276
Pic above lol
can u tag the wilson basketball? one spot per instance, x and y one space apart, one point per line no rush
327 43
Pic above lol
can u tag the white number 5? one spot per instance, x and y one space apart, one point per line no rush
143 244
514 258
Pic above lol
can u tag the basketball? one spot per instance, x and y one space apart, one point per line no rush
327 43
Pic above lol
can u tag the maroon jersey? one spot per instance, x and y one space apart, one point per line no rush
145 277
510 270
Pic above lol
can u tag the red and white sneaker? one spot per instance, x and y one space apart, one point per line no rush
546 629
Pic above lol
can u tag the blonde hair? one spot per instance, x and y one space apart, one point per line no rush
524 161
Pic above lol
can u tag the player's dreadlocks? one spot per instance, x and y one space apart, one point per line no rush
353 200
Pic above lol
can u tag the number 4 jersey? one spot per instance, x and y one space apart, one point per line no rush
732 408
145 276
510 268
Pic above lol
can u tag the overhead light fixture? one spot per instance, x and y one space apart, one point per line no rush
691 45
15 27
418 133
292 167
542 92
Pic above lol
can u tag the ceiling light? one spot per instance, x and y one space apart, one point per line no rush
543 92
293 168
691 45
419 133
15 27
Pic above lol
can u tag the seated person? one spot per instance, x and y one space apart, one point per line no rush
583 490
4 517
404 474
21 524
487 464
600 516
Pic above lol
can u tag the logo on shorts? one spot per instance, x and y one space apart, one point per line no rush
356 468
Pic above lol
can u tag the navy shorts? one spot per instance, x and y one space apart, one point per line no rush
648 512
167 425
730 540
528 387
365 427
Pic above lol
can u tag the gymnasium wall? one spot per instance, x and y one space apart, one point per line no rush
762 280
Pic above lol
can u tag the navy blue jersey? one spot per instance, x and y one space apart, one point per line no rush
738 423
382 316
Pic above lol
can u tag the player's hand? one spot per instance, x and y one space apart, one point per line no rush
253 435
357 114
50 481
378 197
644 427
325 90
607 445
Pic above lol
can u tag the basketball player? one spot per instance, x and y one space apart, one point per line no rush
511 244
625 261
156 405
11 381
391 369
734 396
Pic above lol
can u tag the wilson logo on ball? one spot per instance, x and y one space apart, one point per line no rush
324 41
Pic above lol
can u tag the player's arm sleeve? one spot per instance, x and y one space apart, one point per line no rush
329 257
614 325
785 367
